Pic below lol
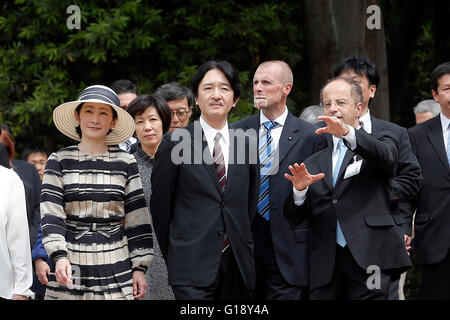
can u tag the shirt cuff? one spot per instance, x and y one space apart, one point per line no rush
299 196
350 138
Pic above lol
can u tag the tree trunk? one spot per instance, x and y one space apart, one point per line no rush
337 29
401 51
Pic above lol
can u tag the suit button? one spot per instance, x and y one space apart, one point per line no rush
220 233
334 201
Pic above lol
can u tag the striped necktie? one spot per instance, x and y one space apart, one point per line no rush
266 151
342 149
219 164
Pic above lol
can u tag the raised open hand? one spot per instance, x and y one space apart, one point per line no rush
300 177
334 126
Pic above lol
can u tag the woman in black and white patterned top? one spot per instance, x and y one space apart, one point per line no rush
95 221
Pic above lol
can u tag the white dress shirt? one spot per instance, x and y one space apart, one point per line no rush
275 133
445 129
367 122
15 253
224 140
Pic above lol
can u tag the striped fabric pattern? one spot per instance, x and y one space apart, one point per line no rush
219 164
94 212
266 151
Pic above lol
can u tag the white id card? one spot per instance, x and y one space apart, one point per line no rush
353 169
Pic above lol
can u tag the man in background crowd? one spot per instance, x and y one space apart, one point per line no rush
430 142
426 110
180 100
126 92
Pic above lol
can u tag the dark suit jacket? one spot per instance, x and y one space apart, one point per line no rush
190 212
360 202
407 177
432 222
290 242
32 183
4 161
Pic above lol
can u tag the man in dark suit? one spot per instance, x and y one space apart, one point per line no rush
204 196
281 249
346 199
430 142
407 177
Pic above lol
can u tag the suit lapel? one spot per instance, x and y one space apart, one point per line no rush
325 163
288 138
232 160
434 133
375 125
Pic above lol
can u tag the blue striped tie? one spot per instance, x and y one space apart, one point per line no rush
342 149
448 144
266 151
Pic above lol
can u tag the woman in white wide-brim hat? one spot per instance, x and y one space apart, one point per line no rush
95 221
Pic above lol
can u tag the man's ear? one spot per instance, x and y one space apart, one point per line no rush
435 95
359 106
287 88
235 102
372 91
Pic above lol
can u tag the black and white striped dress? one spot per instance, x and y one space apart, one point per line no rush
94 212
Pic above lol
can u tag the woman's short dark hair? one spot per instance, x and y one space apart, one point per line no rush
143 102
78 110
224 66
438 72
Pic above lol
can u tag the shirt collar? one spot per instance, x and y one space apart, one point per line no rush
211 132
335 143
444 122
365 119
280 120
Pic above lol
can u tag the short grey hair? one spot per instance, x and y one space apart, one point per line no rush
310 114
427 106
174 91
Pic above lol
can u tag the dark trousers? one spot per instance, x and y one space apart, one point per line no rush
270 283
435 280
228 284
349 281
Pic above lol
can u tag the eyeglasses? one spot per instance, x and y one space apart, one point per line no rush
181 114
339 103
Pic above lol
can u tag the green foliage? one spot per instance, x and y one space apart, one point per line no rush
43 63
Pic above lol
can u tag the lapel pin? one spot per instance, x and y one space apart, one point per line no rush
290 138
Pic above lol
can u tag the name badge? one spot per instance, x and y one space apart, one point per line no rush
353 169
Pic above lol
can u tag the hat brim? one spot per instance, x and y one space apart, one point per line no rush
65 121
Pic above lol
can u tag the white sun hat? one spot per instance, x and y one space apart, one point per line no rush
65 121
